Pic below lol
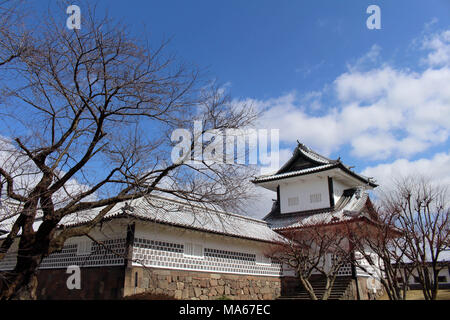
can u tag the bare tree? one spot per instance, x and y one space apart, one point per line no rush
410 232
423 208
14 38
379 249
310 249
90 114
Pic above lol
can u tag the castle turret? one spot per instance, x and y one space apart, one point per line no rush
309 183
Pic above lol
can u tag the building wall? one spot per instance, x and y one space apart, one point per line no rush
444 282
369 288
82 251
196 285
96 283
338 189
369 270
180 262
302 189
160 246
104 275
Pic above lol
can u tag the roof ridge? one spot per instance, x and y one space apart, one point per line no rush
287 174
208 209
312 154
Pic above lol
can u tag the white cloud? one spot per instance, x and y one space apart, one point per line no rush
356 85
439 44
309 69
368 59
431 23
436 168
26 175
380 113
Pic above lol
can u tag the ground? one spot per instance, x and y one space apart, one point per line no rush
443 294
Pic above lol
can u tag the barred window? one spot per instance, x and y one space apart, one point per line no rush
192 256
293 201
316 197
198 250
108 252
193 249
223 254
158 245
84 247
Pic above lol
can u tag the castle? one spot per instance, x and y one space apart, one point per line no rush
186 251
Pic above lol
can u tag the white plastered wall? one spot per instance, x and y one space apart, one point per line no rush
303 188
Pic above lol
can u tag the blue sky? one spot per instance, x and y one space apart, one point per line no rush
266 48
380 99
377 98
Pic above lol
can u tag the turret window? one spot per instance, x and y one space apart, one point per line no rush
316 197
293 201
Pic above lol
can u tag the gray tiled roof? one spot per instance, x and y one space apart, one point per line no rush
167 211
293 173
317 163
185 215
313 155
348 208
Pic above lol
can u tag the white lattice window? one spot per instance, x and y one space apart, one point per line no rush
260 258
198 250
84 247
192 256
193 249
87 254
188 249
223 254
293 201
316 197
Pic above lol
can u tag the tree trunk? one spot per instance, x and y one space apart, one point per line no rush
328 287
25 290
308 287
21 283
435 284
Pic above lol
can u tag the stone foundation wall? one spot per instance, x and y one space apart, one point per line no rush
96 283
350 293
115 282
200 285
365 292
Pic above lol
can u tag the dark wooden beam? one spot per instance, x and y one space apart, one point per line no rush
129 244
330 191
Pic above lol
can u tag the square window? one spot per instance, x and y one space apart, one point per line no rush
293 201
314 198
